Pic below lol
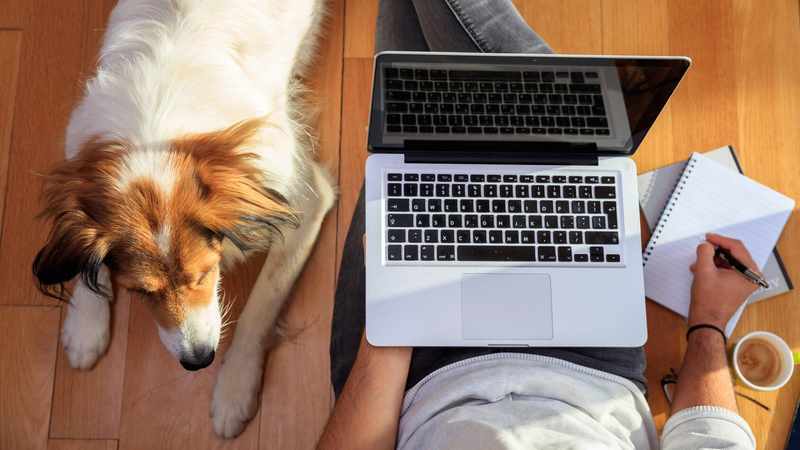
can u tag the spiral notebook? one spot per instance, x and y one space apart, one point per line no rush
709 198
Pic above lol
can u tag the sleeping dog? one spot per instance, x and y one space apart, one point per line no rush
188 151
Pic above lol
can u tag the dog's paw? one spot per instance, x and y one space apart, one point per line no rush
235 398
86 334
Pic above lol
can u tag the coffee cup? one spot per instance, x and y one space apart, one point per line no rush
762 361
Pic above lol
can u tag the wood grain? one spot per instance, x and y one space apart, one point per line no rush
52 55
355 110
295 401
12 14
29 336
81 444
10 46
359 34
569 26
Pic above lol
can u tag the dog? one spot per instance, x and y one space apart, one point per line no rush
189 150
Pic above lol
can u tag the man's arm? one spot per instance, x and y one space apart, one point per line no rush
367 413
717 292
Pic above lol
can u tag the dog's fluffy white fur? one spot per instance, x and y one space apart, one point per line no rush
175 68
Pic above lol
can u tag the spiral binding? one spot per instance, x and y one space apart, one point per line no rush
676 192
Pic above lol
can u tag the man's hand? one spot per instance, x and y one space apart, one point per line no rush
718 290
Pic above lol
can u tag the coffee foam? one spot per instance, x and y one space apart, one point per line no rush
759 362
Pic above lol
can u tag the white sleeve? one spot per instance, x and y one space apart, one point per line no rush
707 427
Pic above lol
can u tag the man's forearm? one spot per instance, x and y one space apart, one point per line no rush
705 379
367 413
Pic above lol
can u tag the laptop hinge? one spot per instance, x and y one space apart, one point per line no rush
455 152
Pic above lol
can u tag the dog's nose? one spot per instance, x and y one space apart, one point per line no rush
202 358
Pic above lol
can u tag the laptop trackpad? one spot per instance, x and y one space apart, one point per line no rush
506 306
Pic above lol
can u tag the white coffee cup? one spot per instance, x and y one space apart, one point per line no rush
788 360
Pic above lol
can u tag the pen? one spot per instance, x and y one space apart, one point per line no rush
741 268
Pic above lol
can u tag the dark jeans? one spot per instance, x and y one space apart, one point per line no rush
446 25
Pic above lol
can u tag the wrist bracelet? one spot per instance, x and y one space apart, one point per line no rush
705 325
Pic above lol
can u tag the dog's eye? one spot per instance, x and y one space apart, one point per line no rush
203 275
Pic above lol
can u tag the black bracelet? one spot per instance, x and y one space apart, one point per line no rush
705 325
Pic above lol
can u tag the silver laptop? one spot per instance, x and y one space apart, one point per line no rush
501 200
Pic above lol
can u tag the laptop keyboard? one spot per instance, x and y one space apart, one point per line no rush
423 101
538 219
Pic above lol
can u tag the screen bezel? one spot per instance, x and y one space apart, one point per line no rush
677 66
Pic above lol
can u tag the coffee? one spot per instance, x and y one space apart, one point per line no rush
759 361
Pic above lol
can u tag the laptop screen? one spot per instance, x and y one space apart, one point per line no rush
517 102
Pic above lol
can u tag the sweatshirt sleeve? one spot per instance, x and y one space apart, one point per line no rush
707 427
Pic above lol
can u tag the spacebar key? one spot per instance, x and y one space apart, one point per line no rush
496 253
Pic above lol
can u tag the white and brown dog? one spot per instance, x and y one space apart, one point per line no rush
188 151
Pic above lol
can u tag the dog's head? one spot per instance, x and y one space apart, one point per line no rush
157 217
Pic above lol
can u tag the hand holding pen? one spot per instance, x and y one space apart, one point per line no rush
718 289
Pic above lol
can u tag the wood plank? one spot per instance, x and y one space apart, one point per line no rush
359 34
355 107
10 46
768 100
88 404
165 406
12 14
296 394
52 53
99 11
27 361
81 444
704 108
568 26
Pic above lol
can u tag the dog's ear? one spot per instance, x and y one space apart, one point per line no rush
75 245
239 200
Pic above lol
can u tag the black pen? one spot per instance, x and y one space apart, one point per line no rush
741 268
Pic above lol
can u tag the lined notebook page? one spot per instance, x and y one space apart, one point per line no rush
709 198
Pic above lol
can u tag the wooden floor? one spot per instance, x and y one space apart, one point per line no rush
742 90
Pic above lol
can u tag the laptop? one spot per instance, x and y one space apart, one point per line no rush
501 200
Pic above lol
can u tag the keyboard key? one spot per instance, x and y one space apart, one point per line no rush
567 222
527 237
543 237
426 190
565 254
607 180
439 220
487 221
495 237
551 221
410 253
581 258
598 222
391 72
569 191
410 129
506 190
514 206
477 109
537 191
575 179
503 221
467 206
451 205
594 207
454 221
445 253
506 130
397 204
490 190
605 192
474 130
521 191
534 221
602 237
496 253
394 85
559 179
498 206
576 237
426 253
578 207
393 119
597 122
398 96
434 205
592 180
448 236
553 191
601 132
442 190
583 222
479 237
547 254
531 207
446 108
394 190
394 252
459 190
431 236
396 236
421 221
559 237
519 221
546 206
442 130
612 258
596 254
471 221
512 237
531 76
